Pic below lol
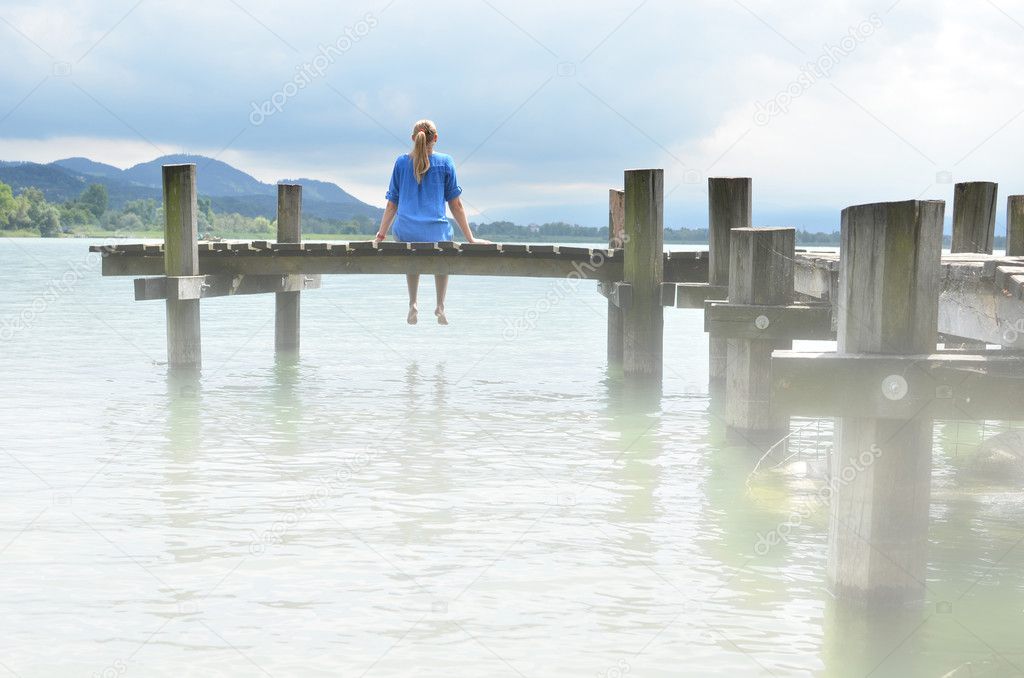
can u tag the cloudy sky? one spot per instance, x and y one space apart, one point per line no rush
542 104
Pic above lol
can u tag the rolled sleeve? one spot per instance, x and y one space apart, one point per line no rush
392 193
452 189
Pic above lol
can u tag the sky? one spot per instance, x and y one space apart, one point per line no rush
542 104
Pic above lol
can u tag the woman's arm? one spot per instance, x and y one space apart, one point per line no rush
385 221
459 212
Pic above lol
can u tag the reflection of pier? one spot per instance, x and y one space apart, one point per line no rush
889 299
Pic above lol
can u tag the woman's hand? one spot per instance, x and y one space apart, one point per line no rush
379 237
479 241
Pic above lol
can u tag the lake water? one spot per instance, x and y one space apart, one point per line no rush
470 500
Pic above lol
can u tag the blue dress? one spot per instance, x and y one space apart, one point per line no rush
421 205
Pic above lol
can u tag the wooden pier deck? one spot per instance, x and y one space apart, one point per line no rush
500 259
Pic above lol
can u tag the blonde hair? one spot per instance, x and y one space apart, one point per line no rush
424 134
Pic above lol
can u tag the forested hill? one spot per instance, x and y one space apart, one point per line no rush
229 189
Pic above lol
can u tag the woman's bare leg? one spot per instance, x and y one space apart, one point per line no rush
413 281
441 287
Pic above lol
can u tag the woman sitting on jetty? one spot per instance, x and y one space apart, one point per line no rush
421 183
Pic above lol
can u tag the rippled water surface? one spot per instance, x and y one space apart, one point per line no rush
480 499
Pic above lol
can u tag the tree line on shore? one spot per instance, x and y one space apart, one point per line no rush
90 214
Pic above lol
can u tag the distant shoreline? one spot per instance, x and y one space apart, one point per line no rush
158 235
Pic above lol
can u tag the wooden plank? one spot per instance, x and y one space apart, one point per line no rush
1015 226
953 385
777 323
889 281
287 304
375 264
478 248
730 205
974 216
389 246
621 295
181 258
760 274
616 240
148 289
616 218
512 248
888 304
643 269
574 252
596 264
544 250
685 267
668 294
696 295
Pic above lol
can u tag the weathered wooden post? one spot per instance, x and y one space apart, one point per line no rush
729 207
287 304
761 273
889 288
974 217
181 258
643 263
1015 226
616 240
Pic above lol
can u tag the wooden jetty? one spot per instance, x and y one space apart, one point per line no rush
920 335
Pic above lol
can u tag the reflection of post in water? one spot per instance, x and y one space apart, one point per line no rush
863 641
287 407
417 442
183 434
184 407
634 413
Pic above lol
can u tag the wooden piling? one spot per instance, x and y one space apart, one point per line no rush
181 258
1015 226
287 304
889 286
729 207
643 264
974 217
761 272
616 240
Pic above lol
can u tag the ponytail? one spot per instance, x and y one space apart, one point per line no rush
424 135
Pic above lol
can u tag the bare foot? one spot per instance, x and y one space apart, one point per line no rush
411 318
441 318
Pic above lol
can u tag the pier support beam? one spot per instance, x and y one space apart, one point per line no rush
974 217
1015 226
287 304
616 240
181 258
761 273
729 207
974 227
880 473
643 263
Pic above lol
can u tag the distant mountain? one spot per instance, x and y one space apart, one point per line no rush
230 189
214 178
321 191
89 167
